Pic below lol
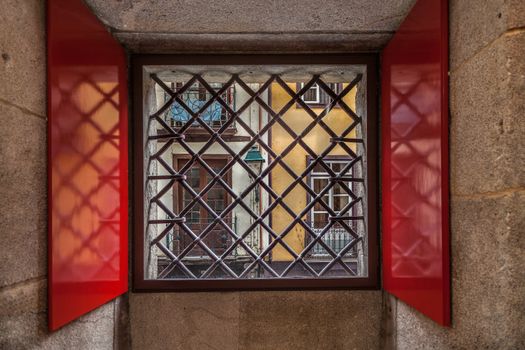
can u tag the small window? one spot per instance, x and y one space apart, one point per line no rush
337 198
288 201
317 97
312 95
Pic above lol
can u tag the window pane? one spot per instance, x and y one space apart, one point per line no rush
339 190
320 220
318 206
337 167
319 185
340 202
312 94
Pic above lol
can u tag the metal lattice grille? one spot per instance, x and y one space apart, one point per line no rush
229 168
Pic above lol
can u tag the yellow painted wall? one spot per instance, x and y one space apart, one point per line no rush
318 140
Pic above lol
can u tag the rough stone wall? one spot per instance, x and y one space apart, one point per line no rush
23 206
165 26
487 91
256 320
487 149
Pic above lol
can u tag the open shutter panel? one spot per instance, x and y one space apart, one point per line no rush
415 161
87 163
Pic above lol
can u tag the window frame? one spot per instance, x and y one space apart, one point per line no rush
317 175
322 97
317 94
371 137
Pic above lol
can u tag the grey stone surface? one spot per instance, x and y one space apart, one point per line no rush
22 54
23 216
184 320
310 320
234 16
256 320
487 129
23 322
122 333
474 24
486 156
253 43
488 280
233 25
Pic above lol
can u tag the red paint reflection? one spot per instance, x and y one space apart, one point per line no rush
415 146
87 163
415 162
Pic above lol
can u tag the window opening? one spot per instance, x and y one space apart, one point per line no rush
273 189
316 97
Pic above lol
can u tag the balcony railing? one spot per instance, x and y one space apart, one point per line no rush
335 238
218 239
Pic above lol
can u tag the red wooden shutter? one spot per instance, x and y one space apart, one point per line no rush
415 161
87 163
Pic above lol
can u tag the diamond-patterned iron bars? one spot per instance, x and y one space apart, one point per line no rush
298 139
230 191
215 176
277 160
319 236
334 138
238 241
297 220
348 110
173 135
292 214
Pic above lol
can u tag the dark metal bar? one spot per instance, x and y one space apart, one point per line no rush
175 136
226 147
175 260
345 218
346 179
168 221
176 177
339 257
164 232
345 139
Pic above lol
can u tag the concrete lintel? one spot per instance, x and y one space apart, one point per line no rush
252 42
